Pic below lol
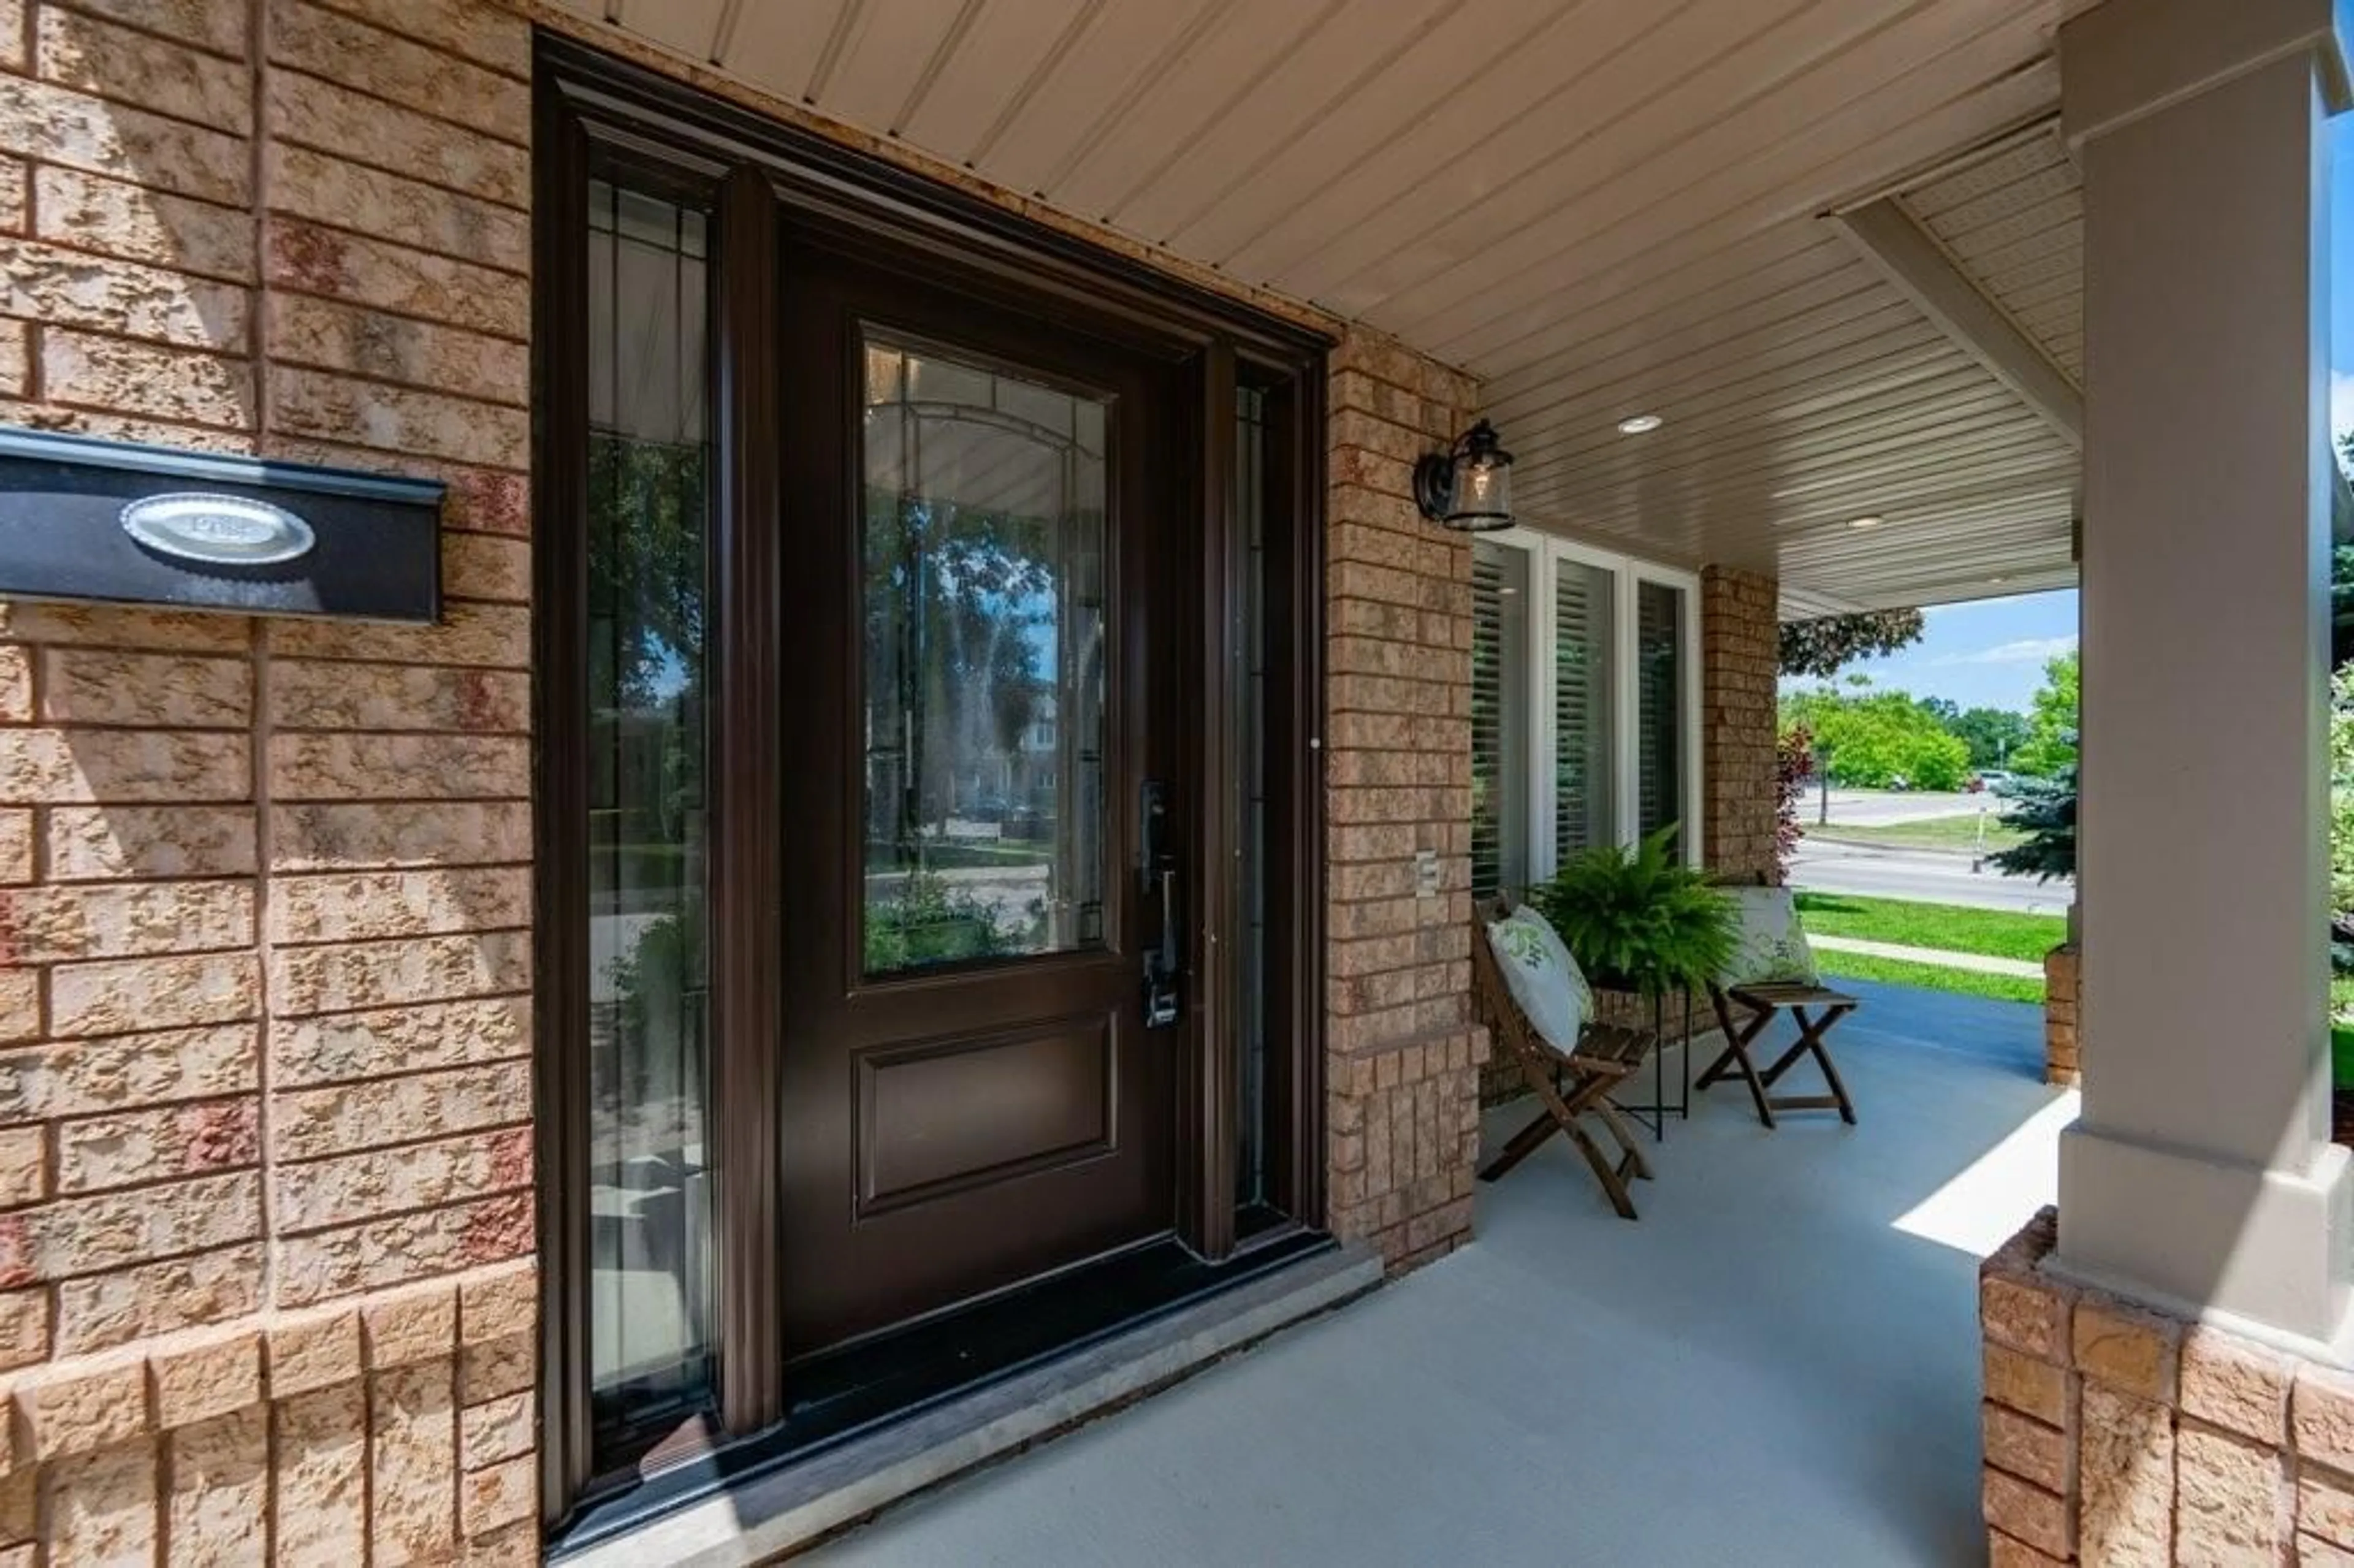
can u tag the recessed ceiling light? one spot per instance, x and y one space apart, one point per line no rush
1997 580
1867 522
1639 424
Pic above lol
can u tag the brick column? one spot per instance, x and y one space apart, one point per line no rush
266 1221
2061 1065
1404 1053
1740 658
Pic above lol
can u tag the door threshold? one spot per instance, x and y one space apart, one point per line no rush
751 1512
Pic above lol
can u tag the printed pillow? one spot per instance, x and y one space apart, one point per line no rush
1771 947
1543 977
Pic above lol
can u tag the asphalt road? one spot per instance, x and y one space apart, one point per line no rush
1938 877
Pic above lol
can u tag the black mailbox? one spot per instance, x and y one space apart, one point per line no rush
114 522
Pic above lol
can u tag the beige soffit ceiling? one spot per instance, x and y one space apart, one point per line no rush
1598 206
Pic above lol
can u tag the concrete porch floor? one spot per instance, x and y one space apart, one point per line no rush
1778 1364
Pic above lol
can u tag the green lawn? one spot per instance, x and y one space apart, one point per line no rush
1935 832
1931 977
1994 933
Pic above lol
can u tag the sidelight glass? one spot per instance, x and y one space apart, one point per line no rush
1500 719
1660 763
1584 797
984 654
651 1310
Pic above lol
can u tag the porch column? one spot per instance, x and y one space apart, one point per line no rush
2201 1175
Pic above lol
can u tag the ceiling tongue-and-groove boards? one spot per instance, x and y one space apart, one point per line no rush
1600 207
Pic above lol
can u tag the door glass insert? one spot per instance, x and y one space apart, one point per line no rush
648 532
984 648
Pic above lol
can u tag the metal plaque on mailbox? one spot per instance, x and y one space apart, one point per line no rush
114 522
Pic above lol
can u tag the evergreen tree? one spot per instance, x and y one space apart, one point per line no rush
2045 808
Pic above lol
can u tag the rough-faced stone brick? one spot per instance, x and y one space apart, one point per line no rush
313 1350
314 1123
115 997
183 385
413 1326
56 125
321 114
93 844
483 33
499 1304
2321 1416
503 1495
413 1455
65 925
2025 1384
123 1230
305 696
137 1146
310 1051
82 1408
149 227
318 1466
387 834
336 47
80 51
328 1265
370 767
2324 1505
419 218
50 766
2233 1501
20 1005
199 1382
2236 1384
15 664
16 837
2027 1313
204 23
348 977
102 1504
380 905
493 1369
24 1328
501 1429
328 335
94 1075
100 1310
219 1497
2126 1478
485 565
2028 1514
24 1166
315 258
339 1192
95 685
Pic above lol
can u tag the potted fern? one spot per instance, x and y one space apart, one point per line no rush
1639 919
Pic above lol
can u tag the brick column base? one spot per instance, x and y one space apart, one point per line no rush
2118 1435
2061 1062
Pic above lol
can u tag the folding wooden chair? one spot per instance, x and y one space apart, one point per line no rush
1570 1086
1764 1002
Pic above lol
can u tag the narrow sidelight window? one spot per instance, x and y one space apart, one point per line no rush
648 536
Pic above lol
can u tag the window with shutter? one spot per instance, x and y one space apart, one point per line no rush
1583 772
1660 750
1499 716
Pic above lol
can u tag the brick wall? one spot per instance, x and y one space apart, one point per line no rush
2115 1434
1403 1051
2061 1065
1739 659
265 1284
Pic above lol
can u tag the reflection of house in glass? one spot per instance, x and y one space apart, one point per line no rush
984 678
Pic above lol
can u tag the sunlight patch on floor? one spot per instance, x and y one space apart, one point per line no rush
2000 1191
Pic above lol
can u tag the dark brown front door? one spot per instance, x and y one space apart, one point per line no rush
979 523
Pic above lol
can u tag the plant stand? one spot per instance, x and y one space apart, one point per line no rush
1655 1114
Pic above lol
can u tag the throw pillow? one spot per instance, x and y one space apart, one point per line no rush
1543 977
1771 948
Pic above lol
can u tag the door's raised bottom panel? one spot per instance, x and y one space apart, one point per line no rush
942 1116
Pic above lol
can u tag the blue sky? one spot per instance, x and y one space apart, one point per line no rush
1991 652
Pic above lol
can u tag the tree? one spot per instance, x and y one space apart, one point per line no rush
1820 646
1991 734
2045 808
1872 739
1794 764
2052 727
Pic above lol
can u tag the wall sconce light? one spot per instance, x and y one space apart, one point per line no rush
1467 487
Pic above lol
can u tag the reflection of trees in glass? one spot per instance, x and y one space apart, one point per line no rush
960 608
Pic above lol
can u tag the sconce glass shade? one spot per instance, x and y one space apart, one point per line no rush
1467 488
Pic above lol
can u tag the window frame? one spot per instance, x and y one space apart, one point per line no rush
1548 553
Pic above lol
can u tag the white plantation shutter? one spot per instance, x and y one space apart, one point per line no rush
1499 650
1660 762
1581 666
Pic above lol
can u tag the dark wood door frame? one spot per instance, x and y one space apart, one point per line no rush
597 117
